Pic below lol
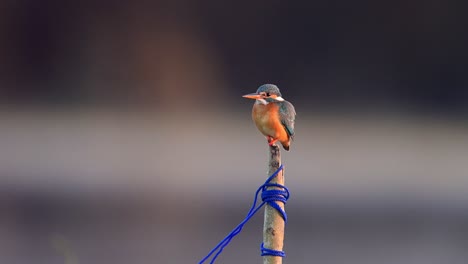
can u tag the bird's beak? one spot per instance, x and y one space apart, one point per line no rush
252 96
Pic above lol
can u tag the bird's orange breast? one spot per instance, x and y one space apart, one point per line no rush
266 118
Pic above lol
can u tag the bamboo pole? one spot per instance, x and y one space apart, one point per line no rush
273 223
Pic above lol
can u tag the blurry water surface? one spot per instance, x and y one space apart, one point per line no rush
136 187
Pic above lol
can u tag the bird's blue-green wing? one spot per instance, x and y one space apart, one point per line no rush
287 116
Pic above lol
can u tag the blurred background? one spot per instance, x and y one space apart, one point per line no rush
124 137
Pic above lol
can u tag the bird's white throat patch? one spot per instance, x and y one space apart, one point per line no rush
279 98
262 101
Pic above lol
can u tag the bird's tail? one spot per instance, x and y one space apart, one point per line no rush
285 146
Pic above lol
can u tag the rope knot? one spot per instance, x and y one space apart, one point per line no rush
270 196
271 252
271 192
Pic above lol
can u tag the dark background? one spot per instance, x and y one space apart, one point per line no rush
328 54
124 137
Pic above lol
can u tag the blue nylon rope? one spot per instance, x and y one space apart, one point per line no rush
269 197
271 252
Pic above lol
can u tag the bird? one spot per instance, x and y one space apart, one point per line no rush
273 116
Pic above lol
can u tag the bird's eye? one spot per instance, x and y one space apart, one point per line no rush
267 94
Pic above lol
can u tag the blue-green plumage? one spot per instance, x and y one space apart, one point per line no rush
287 115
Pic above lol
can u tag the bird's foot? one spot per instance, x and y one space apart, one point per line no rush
271 141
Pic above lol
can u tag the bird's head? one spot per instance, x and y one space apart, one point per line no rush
265 94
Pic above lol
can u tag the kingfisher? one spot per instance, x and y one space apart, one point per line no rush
273 115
